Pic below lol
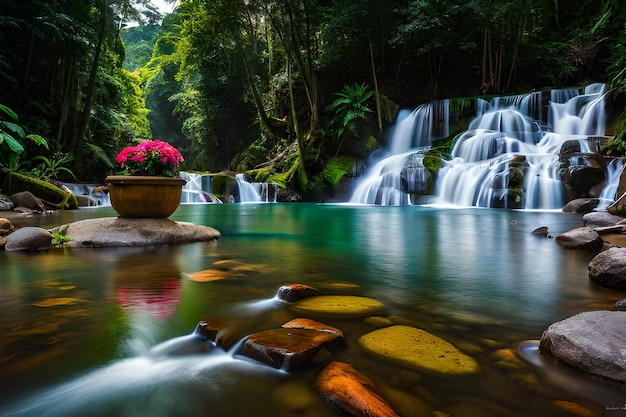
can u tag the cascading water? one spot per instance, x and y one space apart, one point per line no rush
397 171
198 188
509 157
255 192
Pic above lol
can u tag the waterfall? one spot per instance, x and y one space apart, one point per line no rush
198 188
614 170
255 192
396 172
508 157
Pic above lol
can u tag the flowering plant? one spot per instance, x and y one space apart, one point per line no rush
152 157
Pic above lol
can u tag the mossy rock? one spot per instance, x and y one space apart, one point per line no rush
49 193
337 306
416 348
337 167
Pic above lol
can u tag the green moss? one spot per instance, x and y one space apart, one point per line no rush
337 167
259 175
51 194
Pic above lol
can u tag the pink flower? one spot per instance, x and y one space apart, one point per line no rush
150 158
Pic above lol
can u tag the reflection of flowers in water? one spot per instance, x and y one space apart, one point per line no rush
159 302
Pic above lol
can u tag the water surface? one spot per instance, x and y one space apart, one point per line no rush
100 332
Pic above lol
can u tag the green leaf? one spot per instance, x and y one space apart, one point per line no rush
14 145
38 140
9 112
13 127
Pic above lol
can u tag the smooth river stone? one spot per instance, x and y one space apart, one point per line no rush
337 306
350 391
417 348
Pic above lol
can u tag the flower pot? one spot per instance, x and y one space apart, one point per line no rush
144 196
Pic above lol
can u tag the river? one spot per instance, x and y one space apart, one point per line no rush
101 332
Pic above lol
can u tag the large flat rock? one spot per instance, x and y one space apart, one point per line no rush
593 341
120 232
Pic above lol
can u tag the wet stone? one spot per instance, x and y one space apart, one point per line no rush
28 239
409 346
352 392
294 292
303 323
289 349
209 328
580 238
340 306
591 341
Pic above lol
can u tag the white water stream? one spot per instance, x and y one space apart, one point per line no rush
507 132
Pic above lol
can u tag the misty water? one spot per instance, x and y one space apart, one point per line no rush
108 331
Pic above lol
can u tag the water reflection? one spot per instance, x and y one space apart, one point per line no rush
110 327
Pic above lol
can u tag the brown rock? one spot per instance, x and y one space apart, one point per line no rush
351 391
581 238
28 200
302 323
209 328
294 292
288 349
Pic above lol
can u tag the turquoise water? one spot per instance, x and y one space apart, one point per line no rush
99 332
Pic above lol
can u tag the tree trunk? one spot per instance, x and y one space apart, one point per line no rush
301 175
376 92
80 134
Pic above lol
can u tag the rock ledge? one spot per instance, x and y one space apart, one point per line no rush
121 232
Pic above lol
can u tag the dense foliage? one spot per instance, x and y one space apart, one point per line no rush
253 85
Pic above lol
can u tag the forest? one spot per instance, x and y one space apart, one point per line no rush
288 91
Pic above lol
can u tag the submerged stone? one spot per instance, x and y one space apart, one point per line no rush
302 323
352 392
417 348
338 306
288 349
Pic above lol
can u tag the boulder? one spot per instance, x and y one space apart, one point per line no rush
598 219
28 200
28 239
352 392
592 341
582 205
120 232
608 268
580 238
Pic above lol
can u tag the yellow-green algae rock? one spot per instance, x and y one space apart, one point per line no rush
417 348
337 306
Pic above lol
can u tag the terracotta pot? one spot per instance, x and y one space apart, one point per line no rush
144 196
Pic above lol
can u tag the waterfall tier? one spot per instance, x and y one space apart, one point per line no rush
510 156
